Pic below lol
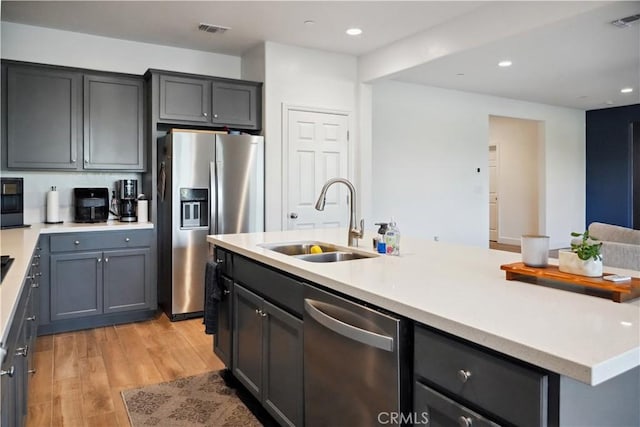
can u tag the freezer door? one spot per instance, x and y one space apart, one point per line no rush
238 184
191 154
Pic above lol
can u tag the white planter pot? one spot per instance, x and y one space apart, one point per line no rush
570 263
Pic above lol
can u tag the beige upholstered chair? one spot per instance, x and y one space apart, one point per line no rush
620 245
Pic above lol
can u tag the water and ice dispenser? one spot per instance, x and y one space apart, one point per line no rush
194 210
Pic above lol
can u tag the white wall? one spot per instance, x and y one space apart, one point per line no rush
428 143
517 176
300 77
56 47
47 46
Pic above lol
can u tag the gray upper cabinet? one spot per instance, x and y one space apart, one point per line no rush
210 102
235 104
113 123
43 118
185 99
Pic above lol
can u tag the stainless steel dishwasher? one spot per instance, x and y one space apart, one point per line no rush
355 363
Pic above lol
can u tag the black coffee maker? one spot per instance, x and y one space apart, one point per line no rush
128 195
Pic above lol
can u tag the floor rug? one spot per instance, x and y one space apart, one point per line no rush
201 400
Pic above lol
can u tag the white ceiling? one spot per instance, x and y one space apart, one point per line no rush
579 62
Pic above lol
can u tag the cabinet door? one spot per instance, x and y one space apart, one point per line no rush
126 276
185 99
235 104
76 285
222 340
43 118
247 339
9 391
283 384
113 123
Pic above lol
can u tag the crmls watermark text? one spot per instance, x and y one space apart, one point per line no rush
403 418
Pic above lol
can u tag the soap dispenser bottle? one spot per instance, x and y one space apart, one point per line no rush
392 239
380 246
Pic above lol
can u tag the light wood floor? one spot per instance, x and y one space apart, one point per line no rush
79 375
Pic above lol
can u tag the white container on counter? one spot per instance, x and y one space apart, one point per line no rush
143 211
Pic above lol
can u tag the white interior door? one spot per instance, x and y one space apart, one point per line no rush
493 193
318 149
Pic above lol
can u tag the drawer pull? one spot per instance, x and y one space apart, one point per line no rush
22 351
464 375
31 318
464 421
106 259
32 371
35 285
126 239
258 311
77 242
99 259
226 292
8 372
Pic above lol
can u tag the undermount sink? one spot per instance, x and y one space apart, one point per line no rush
333 257
302 250
298 248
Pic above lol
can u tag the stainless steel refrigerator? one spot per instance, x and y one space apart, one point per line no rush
208 183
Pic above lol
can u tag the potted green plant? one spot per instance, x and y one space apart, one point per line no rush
584 257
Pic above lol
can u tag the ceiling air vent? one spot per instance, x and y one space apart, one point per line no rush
626 22
210 28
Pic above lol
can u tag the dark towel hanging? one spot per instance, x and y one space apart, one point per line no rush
212 296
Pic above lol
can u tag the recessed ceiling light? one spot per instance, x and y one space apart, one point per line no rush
626 90
309 22
354 31
505 63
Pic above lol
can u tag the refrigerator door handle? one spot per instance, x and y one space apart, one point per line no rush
370 338
213 191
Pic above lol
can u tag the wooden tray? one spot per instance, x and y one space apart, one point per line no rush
617 291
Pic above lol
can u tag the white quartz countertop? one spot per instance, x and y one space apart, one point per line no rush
20 243
461 290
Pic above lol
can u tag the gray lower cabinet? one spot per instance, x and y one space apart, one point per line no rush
44 118
17 363
222 340
96 277
267 355
502 390
113 123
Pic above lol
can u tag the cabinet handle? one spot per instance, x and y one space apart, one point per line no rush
226 292
106 259
204 114
258 311
263 314
464 421
36 256
126 239
215 116
22 351
464 375
99 259
38 274
32 371
8 373
31 318
77 242
31 277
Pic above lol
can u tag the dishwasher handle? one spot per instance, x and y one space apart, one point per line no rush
383 342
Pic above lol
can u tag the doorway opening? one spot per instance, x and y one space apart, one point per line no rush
516 177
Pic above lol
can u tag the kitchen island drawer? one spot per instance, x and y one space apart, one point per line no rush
513 392
278 288
430 407
73 242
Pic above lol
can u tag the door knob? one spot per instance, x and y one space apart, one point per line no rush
293 215
464 375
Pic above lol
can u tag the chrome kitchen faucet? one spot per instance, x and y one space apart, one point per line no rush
354 232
